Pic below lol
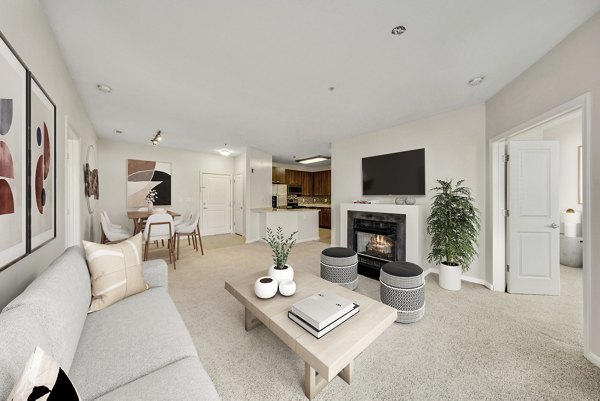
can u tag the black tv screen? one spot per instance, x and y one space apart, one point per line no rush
401 173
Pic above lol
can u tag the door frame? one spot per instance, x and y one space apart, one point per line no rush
582 103
201 197
72 186
243 178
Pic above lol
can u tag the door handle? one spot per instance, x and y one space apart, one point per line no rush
204 208
553 225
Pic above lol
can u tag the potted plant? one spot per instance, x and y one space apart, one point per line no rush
281 247
454 226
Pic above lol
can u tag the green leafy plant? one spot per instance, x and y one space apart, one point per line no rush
453 225
280 245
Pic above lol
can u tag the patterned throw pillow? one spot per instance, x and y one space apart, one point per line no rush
43 379
115 270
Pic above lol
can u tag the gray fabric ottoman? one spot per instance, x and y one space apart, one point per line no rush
402 286
340 265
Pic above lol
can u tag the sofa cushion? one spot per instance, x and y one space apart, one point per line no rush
42 379
59 298
116 271
20 333
128 340
182 380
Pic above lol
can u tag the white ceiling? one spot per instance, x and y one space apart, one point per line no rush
257 72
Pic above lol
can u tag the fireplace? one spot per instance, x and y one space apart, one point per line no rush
378 238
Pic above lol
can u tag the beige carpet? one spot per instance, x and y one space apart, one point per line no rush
472 344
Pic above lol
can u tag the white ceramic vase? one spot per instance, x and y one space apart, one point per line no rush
281 274
265 287
150 206
449 277
287 288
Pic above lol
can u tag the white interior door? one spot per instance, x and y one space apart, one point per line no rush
534 218
216 203
238 204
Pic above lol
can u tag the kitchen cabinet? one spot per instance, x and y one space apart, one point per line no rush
322 183
325 218
278 175
307 183
293 177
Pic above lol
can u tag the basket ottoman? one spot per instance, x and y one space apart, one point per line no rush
340 265
402 286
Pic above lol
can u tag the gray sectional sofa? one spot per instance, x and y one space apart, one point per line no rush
137 349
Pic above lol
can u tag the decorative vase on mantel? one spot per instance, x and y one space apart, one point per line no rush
285 274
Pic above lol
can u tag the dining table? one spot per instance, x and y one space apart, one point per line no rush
138 217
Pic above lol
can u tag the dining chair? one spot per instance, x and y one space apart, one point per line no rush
183 220
111 233
160 227
191 230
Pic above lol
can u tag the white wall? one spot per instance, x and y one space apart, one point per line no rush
24 24
454 145
259 166
186 167
569 136
569 70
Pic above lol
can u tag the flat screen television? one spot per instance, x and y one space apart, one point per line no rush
401 173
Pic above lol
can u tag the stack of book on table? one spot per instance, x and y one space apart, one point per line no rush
322 312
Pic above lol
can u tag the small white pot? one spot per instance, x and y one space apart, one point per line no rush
450 277
265 287
283 274
287 288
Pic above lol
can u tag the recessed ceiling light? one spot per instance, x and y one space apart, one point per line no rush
476 81
104 88
314 159
399 30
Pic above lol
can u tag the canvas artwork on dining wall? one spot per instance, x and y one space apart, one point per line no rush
43 166
13 157
144 176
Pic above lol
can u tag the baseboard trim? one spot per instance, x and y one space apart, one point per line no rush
593 358
463 278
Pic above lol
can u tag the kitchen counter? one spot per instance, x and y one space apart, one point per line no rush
315 205
305 221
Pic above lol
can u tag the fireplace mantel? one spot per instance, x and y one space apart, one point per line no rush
416 251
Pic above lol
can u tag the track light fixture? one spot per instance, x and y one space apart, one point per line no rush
156 139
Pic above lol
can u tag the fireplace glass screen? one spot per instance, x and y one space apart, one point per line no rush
376 245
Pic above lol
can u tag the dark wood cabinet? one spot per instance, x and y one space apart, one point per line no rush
325 218
322 183
307 183
293 177
278 176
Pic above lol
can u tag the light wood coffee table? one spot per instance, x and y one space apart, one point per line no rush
332 354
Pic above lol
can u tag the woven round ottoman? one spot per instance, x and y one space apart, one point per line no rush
402 287
340 266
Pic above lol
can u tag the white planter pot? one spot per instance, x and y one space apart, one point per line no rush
283 274
449 277
287 288
265 287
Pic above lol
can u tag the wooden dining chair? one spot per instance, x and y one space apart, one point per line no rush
159 227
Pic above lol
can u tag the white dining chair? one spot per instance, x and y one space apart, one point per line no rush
160 227
191 230
179 221
111 233
113 225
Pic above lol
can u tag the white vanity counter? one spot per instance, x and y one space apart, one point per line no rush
305 221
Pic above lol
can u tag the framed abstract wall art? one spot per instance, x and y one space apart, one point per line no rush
143 176
42 137
13 156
